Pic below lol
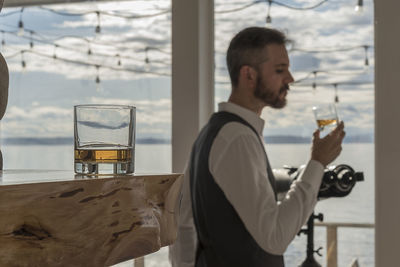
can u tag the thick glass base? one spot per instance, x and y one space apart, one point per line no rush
90 168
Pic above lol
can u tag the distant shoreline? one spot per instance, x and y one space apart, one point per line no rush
275 139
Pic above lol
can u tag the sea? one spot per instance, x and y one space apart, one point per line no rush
357 207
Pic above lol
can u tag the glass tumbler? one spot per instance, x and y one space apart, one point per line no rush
104 137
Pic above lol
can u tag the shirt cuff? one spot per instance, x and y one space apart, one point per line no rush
312 174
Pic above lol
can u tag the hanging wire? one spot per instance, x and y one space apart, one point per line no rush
339 73
327 50
237 9
300 8
107 13
272 1
319 50
90 52
9 13
89 64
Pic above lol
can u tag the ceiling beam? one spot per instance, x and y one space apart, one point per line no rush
23 3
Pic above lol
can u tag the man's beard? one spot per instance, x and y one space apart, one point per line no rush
268 97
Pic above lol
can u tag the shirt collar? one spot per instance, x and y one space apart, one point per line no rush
251 117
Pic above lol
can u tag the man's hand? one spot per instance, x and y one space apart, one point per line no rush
327 149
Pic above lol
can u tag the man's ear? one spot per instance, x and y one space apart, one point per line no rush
248 75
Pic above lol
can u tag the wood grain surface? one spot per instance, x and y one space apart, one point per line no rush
92 222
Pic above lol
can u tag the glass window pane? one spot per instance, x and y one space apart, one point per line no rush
332 61
111 52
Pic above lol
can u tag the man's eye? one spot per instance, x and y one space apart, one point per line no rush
279 71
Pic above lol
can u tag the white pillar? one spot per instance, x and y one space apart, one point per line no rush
192 74
387 132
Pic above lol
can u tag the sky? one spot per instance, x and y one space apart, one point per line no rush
42 95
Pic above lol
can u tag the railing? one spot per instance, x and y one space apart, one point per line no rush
331 242
331 238
139 262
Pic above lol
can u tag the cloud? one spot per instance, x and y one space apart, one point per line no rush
333 25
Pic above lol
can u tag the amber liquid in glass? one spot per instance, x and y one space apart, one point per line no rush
104 159
103 155
327 122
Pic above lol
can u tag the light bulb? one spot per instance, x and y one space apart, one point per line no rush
98 29
359 6
20 28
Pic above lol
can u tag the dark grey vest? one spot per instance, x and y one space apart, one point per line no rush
223 239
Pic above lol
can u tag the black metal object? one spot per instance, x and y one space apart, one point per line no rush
309 231
337 181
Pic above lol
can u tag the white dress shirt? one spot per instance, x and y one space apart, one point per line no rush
237 163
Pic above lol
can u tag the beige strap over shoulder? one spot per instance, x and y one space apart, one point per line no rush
4 79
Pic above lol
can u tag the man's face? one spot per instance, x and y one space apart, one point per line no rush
273 77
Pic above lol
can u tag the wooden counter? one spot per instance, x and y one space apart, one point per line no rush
54 218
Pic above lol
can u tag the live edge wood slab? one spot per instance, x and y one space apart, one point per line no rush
68 220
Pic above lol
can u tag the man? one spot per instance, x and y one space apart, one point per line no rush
229 189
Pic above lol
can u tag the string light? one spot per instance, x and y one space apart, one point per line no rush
119 59
98 29
97 75
3 40
336 93
269 19
23 63
20 24
54 51
314 84
366 62
89 52
146 60
31 40
98 87
359 6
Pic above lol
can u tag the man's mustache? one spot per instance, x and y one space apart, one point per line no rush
284 88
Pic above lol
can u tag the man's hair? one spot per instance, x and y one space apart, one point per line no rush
247 46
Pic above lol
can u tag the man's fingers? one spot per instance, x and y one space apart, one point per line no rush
316 134
338 132
339 128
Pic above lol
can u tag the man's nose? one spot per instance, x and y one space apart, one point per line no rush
290 78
